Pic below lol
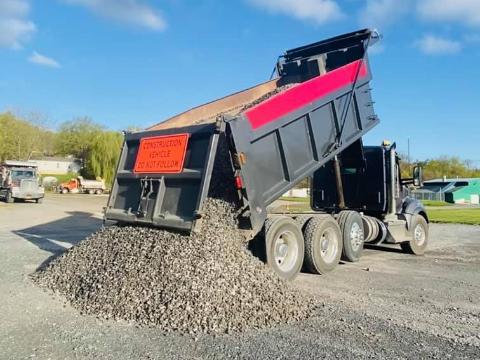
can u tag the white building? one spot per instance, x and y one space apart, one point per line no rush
57 165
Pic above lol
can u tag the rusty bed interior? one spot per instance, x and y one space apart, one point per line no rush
229 105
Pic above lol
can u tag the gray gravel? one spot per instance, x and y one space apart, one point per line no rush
204 282
402 307
265 97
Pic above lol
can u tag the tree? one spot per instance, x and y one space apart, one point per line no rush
20 138
448 166
97 148
76 137
103 155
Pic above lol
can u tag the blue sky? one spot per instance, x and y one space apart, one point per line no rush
136 62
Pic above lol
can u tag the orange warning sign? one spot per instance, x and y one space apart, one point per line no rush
161 154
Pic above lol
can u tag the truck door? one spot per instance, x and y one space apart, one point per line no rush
375 180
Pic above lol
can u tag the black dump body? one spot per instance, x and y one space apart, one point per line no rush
318 106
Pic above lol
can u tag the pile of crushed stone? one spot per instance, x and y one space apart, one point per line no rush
237 110
206 282
266 96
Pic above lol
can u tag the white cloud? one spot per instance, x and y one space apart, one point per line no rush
318 11
462 11
383 12
435 45
134 12
43 60
15 27
472 38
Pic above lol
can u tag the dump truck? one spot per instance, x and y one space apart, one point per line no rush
20 181
81 185
307 122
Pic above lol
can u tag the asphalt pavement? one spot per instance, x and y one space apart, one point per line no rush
388 305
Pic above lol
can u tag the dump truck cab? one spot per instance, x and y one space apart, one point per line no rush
20 180
371 184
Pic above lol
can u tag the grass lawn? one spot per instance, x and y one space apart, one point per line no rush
295 199
434 203
295 208
459 216
61 178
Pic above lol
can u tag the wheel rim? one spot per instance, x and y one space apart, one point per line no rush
285 250
328 245
419 235
356 236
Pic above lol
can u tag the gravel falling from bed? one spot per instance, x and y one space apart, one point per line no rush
203 282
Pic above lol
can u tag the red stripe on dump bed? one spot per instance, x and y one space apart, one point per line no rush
304 94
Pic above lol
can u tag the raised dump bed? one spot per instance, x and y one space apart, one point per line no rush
277 133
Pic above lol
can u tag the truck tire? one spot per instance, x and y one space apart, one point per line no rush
39 201
284 247
351 225
64 190
323 244
302 220
419 233
98 192
9 198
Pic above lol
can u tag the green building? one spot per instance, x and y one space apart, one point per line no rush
456 190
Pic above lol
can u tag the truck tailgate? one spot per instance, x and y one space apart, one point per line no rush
163 177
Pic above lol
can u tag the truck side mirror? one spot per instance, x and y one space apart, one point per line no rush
417 176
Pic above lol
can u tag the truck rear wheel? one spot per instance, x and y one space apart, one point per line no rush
64 190
419 233
323 244
284 247
351 225
90 191
98 192
302 220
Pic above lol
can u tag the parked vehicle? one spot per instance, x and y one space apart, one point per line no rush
20 181
80 185
311 127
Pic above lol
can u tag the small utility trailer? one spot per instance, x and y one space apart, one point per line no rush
308 122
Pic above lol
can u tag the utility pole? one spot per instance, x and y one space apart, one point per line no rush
408 144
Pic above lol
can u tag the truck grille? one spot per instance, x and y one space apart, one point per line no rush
28 185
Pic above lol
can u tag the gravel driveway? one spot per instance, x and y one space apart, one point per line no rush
387 305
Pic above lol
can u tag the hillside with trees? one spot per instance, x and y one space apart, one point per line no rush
448 166
95 146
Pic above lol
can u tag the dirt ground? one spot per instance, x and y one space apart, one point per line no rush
388 305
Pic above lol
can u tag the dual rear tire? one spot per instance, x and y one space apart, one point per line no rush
284 245
351 224
315 242
323 244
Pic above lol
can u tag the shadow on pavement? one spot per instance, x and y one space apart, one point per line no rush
387 248
59 235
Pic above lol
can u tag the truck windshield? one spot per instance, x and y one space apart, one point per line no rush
22 174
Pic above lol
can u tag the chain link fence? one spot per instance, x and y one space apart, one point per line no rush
428 195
